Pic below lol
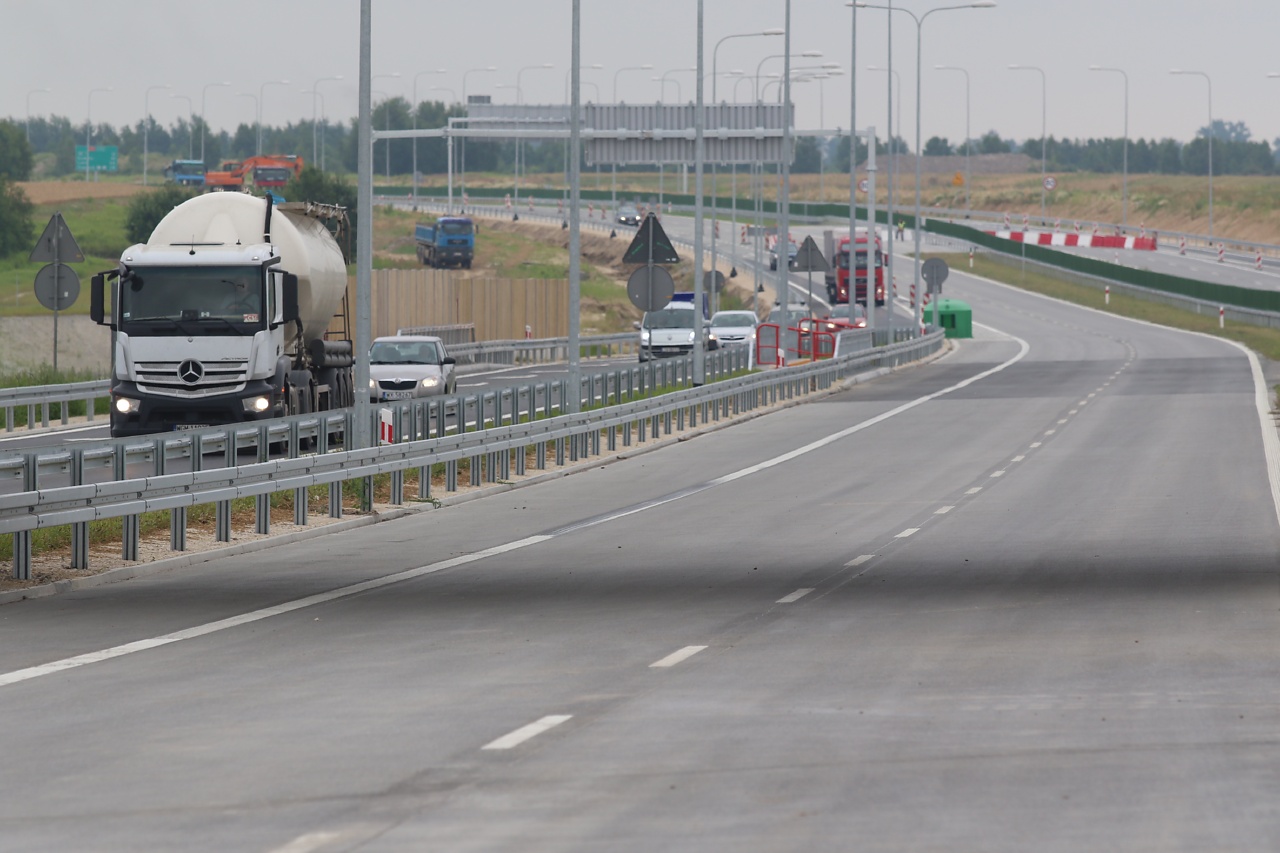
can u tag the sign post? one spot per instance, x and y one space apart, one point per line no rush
650 287
57 286
809 258
935 272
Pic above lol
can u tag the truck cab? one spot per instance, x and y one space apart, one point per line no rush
838 278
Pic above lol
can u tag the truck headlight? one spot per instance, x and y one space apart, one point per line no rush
430 382
256 404
126 406
373 383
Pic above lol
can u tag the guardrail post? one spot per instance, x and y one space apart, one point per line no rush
475 471
398 435
44 414
79 531
90 404
262 503
560 452
222 511
451 475
22 538
540 456
129 524
335 499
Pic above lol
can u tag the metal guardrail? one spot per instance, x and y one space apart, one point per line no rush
507 421
43 402
40 400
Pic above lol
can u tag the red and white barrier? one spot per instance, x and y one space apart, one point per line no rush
970 257
531 205
742 235
1182 246
386 427
1258 261
1006 222
1107 299
1222 317
1222 253
507 200
1097 241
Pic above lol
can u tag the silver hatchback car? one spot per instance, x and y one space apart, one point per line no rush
402 367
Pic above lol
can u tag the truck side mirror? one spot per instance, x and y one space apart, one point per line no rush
97 298
289 311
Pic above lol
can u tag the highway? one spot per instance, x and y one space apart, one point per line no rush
1021 597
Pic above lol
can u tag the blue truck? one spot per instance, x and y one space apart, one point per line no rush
185 173
451 241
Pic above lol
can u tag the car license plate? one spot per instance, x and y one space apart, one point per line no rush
396 395
668 349
177 427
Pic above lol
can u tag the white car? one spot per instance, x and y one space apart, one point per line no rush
732 328
403 367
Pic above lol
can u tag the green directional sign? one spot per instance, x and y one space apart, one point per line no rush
97 158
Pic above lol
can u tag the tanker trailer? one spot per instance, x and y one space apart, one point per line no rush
220 317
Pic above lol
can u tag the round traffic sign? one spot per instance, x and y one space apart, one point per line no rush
57 287
1050 182
863 185
650 288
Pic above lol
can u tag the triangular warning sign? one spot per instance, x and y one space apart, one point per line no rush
809 257
56 245
651 245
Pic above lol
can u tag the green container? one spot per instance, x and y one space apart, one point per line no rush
954 317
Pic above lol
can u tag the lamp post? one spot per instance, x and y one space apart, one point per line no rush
892 75
146 129
1044 140
29 94
919 20
569 71
386 109
191 124
1209 130
515 196
315 93
88 130
204 93
808 54
968 141
462 155
262 90
1125 155
414 116
255 104
613 191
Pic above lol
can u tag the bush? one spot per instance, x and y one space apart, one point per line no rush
146 211
17 233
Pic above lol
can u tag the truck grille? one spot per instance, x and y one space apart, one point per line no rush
192 378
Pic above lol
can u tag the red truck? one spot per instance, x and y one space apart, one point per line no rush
838 276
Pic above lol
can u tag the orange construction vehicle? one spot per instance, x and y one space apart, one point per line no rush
265 170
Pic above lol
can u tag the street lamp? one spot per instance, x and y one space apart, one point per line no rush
1125 155
462 155
414 117
1043 129
315 93
255 104
29 94
191 124
568 71
968 141
204 92
919 20
663 81
386 110
146 128
88 130
893 75
808 54
261 96
613 191
1209 131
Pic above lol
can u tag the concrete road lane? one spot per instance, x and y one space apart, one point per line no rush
1023 596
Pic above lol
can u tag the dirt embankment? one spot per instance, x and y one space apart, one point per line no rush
57 192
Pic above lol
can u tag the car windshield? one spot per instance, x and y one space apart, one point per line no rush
670 318
734 318
404 352
206 300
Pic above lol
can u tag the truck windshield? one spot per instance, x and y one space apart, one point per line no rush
670 318
455 227
176 300
190 167
271 175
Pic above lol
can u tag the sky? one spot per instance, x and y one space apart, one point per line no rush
75 46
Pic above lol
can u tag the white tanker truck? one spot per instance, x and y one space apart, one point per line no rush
220 317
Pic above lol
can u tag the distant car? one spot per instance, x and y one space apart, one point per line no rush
845 316
628 215
796 311
404 367
792 250
672 331
732 328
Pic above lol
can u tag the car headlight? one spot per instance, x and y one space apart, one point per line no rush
126 406
430 382
256 404
373 383
644 336
691 336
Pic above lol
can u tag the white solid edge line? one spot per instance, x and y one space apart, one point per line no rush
858 561
795 596
524 733
1270 438
677 657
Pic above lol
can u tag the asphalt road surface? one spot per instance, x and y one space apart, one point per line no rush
1023 597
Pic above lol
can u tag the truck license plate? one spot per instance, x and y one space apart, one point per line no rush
177 427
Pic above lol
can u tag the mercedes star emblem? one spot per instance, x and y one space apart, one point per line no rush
191 371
